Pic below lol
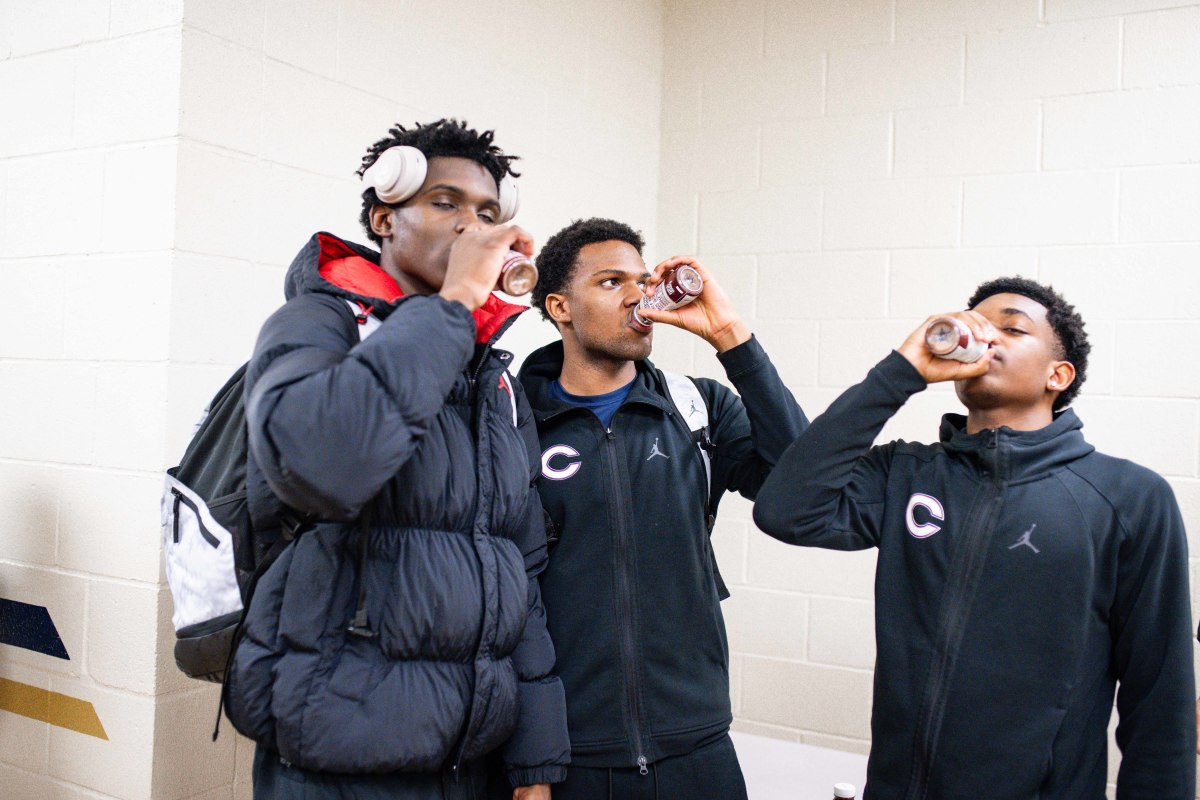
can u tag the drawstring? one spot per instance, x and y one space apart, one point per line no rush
654 767
610 796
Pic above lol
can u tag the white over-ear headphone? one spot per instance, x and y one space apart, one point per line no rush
399 172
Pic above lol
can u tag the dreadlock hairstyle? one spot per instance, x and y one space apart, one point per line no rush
557 258
446 137
1068 326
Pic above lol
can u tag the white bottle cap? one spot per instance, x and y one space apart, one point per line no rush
843 790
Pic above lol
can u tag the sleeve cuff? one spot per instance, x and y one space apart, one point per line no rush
540 744
747 356
532 776
900 375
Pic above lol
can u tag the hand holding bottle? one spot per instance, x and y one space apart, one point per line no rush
709 314
476 261
935 368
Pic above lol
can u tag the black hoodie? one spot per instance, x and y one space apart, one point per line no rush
1021 576
631 591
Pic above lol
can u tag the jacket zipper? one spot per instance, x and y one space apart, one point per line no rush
472 380
474 376
961 593
625 605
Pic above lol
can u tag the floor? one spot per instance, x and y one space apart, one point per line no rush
779 770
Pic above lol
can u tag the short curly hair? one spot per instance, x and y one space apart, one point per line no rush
1068 326
446 137
558 255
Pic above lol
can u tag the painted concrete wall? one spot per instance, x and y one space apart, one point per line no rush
88 152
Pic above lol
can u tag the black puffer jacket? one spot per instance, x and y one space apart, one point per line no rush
417 451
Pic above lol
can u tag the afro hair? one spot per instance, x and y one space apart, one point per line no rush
1063 318
446 137
557 258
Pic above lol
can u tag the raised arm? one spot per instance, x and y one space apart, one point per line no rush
749 430
751 433
828 489
331 419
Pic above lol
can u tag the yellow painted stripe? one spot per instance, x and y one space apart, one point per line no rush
57 709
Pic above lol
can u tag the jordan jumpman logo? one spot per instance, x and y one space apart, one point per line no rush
654 451
1024 540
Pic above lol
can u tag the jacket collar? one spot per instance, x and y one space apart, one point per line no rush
1018 454
331 265
544 365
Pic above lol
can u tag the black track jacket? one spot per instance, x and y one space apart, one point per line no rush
631 590
1021 576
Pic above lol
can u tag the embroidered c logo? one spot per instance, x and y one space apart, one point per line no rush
560 474
923 530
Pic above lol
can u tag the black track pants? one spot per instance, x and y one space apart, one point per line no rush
710 772
274 780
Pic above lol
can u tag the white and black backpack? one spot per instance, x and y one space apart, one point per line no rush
213 556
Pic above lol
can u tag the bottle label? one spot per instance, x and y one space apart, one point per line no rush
668 295
943 331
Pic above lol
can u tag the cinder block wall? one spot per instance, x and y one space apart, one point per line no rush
279 101
847 167
850 168
160 165
89 92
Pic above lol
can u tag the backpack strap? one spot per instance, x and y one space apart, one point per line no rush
693 410
359 625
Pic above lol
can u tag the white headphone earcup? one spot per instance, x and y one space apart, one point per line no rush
397 174
509 198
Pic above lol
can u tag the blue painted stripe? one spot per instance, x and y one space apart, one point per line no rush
30 627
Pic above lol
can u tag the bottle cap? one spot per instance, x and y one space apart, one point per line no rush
843 790
689 280
518 275
944 335
520 279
